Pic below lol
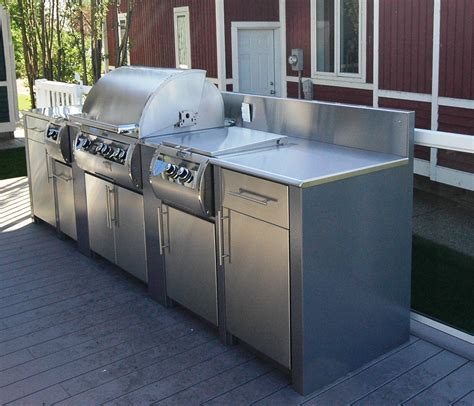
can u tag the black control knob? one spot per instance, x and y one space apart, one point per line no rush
98 147
171 170
110 153
104 150
185 175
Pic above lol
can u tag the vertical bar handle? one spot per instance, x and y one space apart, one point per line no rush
107 202
220 232
161 244
48 173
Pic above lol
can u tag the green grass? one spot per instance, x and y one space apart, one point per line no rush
443 284
12 163
24 102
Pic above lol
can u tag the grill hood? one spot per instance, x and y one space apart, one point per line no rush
143 102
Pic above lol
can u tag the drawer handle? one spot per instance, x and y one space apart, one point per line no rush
252 197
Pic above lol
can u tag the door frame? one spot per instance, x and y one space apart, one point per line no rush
256 25
10 83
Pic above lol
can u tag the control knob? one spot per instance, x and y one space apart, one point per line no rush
121 155
104 150
185 175
98 147
172 171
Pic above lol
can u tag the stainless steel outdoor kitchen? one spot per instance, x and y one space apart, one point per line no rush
286 224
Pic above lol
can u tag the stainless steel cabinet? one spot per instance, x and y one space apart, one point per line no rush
190 258
255 255
65 199
42 189
116 228
130 232
99 208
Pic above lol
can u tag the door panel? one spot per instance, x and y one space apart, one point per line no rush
41 183
257 285
101 234
191 262
65 195
256 50
130 233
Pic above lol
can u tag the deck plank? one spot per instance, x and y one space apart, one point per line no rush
77 330
449 389
414 381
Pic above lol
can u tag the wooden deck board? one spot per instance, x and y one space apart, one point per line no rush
76 330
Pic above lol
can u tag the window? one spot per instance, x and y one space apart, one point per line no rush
182 38
339 39
122 28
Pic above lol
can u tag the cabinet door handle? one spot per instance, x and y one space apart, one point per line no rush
115 218
48 170
160 232
220 237
252 197
107 202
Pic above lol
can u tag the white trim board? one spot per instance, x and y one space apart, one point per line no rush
338 83
220 43
442 335
282 14
256 25
445 140
394 94
435 64
376 45
444 175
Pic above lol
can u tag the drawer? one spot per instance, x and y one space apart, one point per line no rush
259 198
35 128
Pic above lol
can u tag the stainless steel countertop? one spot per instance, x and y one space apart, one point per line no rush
298 162
222 141
306 163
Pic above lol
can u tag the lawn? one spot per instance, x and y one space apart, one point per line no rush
24 102
12 163
443 284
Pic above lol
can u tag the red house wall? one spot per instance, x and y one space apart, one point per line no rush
152 34
406 45
456 65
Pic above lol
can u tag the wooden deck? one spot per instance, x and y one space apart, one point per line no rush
78 331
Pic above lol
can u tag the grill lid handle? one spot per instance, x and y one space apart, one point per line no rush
117 129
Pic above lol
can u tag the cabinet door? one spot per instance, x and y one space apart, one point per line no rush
190 260
65 195
99 208
41 183
257 284
128 218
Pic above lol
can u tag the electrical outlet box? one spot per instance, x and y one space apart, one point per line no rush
296 59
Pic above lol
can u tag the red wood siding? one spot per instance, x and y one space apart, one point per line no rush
152 34
456 78
246 10
336 94
406 45
298 32
422 118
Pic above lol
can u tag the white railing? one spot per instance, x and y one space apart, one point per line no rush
441 140
52 94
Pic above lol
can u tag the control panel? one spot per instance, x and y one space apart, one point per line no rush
176 171
110 150
52 132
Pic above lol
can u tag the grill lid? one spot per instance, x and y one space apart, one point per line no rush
154 101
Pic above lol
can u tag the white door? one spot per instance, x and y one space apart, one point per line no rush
256 61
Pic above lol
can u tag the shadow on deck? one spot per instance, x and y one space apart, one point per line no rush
79 331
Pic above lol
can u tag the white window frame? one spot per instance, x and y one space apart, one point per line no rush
337 75
182 12
123 17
